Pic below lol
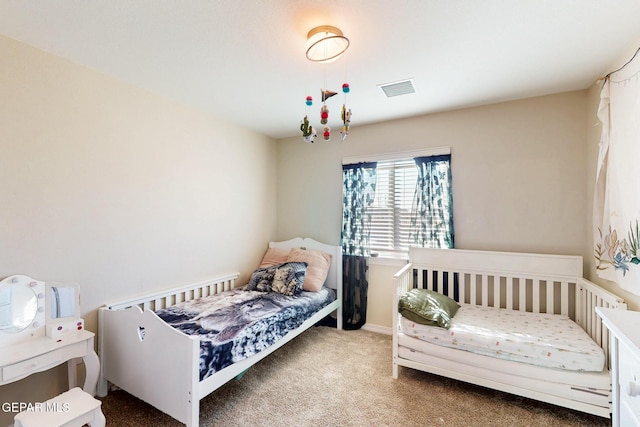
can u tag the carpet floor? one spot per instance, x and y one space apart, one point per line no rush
329 377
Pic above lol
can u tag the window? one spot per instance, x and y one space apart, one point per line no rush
391 209
396 221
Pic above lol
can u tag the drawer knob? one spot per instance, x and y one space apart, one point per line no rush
634 389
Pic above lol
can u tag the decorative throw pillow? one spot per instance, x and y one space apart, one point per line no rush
289 278
318 266
261 279
427 307
274 256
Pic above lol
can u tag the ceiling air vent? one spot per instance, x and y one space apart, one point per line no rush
402 87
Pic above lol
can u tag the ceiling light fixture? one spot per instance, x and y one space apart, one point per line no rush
326 44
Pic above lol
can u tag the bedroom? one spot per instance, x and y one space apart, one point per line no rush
118 188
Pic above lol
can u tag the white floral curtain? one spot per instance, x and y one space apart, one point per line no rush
616 211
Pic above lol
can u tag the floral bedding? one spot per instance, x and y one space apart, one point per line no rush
237 324
541 339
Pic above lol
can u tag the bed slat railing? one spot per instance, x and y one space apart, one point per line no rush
538 294
485 290
551 300
509 284
472 289
535 303
564 298
158 300
588 297
522 293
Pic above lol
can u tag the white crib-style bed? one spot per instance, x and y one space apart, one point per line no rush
532 283
160 365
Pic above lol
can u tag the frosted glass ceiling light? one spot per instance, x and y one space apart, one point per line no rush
325 44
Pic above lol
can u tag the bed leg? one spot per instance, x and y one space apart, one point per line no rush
193 419
395 370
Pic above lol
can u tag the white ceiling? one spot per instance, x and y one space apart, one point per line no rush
244 60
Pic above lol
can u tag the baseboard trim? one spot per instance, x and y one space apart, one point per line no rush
377 328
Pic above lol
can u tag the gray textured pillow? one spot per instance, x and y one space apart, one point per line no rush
427 307
261 279
289 278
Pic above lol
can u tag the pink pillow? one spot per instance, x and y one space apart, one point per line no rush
317 270
274 256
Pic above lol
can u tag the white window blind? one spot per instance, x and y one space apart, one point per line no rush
391 210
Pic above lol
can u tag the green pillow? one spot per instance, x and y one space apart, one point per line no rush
427 307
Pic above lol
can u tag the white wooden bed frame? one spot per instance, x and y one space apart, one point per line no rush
514 281
162 368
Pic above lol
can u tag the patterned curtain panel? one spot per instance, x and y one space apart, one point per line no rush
432 212
616 210
355 287
358 191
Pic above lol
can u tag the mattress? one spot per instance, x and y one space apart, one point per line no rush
238 324
547 340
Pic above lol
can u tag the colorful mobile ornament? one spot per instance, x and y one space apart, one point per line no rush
308 132
327 133
346 121
324 114
346 114
326 94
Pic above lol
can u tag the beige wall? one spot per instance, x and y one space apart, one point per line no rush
518 178
120 190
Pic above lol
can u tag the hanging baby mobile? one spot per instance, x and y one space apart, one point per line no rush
325 44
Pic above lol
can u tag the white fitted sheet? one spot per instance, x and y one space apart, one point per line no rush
548 340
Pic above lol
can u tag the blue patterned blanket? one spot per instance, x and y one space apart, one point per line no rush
237 324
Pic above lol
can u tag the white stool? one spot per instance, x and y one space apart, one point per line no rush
73 408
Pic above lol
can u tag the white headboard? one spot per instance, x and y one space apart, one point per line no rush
334 277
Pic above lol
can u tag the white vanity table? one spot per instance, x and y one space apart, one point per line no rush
40 328
625 360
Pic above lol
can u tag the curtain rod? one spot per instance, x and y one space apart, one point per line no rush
399 155
619 69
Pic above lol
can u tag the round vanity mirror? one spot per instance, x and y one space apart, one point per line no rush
18 307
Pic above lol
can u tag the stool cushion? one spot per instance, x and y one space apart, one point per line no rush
64 409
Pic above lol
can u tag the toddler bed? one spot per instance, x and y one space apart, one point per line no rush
173 348
520 323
